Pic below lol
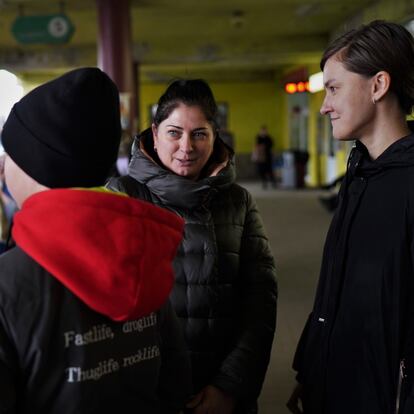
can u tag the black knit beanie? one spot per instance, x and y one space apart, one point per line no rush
66 132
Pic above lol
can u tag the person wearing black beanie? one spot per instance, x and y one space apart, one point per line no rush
66 133
85 322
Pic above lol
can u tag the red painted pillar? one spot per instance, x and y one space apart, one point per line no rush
115 53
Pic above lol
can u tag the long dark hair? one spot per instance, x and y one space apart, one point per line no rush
378 46
191 92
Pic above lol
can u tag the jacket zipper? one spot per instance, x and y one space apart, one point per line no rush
400 380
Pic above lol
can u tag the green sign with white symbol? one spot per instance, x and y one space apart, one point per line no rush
46 29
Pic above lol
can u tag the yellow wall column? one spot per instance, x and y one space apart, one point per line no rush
313 163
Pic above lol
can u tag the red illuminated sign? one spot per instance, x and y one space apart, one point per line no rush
293 87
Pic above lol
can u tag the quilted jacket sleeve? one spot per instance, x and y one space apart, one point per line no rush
243 371
128 185
175 375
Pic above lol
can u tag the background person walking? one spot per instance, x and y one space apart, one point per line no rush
263 157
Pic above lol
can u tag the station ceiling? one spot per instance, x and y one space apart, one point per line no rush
215 39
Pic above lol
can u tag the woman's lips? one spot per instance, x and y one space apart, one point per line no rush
186 163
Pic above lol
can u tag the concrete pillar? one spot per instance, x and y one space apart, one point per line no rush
115 53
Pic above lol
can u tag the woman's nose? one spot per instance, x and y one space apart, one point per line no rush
186 144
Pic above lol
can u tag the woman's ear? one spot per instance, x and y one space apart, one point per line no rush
381 85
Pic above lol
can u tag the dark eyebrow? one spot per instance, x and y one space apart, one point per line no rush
328 82
180 128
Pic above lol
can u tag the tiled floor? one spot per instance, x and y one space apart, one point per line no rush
296 224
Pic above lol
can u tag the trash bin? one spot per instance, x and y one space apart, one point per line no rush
288 176
277 168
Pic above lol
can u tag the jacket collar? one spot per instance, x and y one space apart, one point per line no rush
398 154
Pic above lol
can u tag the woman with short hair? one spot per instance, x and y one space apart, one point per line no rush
356 352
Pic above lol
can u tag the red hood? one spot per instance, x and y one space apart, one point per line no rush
113 252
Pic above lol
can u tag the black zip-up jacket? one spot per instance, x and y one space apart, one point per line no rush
362 323
225 290
83 328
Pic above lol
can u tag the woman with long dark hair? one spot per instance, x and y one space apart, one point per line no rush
225 290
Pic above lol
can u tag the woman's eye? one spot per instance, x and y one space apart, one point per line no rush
332 89
172 133
199 135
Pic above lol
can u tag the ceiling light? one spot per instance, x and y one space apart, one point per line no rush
316 82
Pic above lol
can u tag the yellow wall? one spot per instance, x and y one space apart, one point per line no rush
148 95
250 105
397 10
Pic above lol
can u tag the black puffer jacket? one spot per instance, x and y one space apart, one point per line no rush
225 292
362 325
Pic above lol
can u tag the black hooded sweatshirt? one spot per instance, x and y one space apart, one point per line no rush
83 325
361 329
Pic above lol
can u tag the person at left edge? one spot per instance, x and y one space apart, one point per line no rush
84 327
